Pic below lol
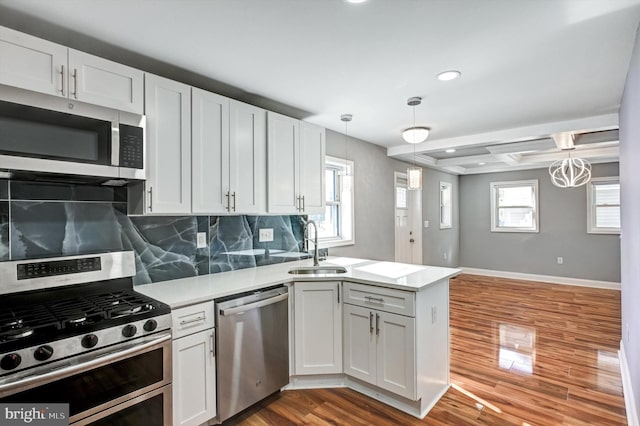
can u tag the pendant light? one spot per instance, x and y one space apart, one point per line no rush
570 172
346 118
414 135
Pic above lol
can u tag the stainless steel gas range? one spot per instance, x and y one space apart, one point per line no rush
73 330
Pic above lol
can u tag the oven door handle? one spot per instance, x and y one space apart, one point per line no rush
43 378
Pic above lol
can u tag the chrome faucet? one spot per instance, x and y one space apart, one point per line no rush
315 240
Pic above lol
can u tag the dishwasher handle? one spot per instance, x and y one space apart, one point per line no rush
250 306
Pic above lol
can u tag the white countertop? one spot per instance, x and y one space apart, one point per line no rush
187 291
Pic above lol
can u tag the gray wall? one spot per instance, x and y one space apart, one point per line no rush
374 204
435 241
630 241
562 224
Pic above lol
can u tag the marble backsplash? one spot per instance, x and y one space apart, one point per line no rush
40 220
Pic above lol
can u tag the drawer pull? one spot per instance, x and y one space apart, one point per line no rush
377 324
374 299
370 322
191 321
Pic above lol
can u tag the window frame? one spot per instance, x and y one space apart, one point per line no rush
346 213
591 206
493 193
443 186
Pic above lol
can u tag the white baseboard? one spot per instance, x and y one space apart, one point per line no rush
627 390
543 278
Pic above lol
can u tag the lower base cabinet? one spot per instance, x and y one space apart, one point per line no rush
194 365
379 348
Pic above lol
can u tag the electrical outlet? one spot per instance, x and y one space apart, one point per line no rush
426 223
265 235
560 260
201 240
444 255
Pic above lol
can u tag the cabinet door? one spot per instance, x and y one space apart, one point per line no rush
194 380
318 328
248 158
396 359
168 111
312 153
32 63
359 343
210 153
102 82
282 171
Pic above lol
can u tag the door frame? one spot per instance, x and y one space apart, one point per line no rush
414 207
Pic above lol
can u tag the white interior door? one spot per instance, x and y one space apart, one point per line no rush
408 218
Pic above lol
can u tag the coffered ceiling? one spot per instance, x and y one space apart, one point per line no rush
530 68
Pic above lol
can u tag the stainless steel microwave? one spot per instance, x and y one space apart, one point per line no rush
42 134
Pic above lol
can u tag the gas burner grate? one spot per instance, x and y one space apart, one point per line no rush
22 322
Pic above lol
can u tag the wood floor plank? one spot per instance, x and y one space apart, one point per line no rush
522 353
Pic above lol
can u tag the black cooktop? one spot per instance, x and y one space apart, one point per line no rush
42 316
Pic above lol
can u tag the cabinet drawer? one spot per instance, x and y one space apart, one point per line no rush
192 319
384 299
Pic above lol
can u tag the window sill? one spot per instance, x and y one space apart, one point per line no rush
336 242
604 231
515 230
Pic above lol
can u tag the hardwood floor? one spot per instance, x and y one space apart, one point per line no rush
522 353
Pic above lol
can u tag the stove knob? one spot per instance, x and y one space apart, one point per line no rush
129 330
89 341
150 325
11 361
43 353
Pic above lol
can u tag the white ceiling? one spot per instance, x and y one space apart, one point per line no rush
529 67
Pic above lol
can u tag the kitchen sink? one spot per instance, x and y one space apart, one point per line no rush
318 270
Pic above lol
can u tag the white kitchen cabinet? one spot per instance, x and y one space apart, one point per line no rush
168 111
32 63
41 66
101 82
228 158
210 152
379 346
194 380
295 173
311 173
318 328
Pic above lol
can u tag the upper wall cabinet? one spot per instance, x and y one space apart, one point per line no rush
168 111
41 66
295 172
229 155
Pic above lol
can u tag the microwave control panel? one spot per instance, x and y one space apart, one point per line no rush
131 147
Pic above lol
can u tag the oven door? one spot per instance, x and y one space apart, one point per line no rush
121 382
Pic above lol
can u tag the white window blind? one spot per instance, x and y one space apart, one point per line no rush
604 205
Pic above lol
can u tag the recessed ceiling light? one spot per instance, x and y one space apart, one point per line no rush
356 1
450 151
449 75
481 164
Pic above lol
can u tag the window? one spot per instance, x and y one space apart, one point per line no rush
514 206
603 203
335 226
446 190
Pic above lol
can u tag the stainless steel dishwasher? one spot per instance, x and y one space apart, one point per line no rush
252 348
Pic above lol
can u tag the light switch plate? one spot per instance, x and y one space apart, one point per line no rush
265 235
202 240
426 223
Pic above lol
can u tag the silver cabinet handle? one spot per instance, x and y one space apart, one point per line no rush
233 195
150 198
338 291
62 74
298 203
303 204
370 322
377 324
213 344
75 83
228 201
198 319
374 299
